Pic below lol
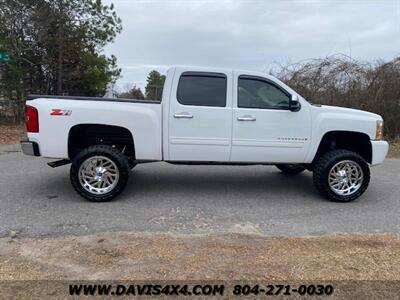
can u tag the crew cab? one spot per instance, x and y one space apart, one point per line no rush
206 116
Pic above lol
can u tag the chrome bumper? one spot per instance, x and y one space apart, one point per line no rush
30 148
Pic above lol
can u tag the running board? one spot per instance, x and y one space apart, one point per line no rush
59 163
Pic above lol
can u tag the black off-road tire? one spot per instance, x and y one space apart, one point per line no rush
290 169
324 164
111 153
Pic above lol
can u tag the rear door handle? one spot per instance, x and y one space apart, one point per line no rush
246 118
183 115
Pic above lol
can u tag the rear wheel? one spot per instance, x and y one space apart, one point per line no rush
290 169
341 175
99 173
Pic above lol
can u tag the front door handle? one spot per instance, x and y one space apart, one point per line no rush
183 115
246 118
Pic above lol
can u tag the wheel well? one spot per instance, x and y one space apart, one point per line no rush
353 141
84 135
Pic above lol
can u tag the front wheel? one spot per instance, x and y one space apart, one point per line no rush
341 175
99 173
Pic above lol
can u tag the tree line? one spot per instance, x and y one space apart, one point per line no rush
55 47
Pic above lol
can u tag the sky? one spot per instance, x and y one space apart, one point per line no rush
249 34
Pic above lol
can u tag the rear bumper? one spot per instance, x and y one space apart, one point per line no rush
30 148
379 151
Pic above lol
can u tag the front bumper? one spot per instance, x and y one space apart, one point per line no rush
30 148
379 151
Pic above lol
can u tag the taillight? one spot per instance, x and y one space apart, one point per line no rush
31 119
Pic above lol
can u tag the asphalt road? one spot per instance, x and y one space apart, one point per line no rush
36 200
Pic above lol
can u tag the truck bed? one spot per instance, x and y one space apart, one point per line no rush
142 118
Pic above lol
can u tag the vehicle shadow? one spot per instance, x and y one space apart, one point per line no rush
237 181
160 181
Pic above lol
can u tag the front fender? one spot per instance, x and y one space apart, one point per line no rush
326 122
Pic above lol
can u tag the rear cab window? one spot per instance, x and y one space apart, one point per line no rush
202 89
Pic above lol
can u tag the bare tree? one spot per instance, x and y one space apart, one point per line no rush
343 81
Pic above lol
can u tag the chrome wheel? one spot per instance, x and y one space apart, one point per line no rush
98 175
345 177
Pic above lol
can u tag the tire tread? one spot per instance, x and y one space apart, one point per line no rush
119 158
320 172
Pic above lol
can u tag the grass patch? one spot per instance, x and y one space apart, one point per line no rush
394 149
12 134
130 256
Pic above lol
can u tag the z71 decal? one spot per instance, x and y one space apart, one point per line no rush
60 112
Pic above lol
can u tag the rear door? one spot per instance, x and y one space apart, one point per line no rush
200 116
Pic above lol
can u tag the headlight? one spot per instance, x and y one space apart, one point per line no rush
379 130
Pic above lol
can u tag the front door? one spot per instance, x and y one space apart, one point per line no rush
264 129
200 116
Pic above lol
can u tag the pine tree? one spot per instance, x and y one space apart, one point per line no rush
155 84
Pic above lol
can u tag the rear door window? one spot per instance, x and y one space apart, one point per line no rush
202 89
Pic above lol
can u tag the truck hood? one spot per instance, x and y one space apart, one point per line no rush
348 111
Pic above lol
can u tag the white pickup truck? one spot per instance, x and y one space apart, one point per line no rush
206 116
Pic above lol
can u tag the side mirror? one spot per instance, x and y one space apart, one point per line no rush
294 103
